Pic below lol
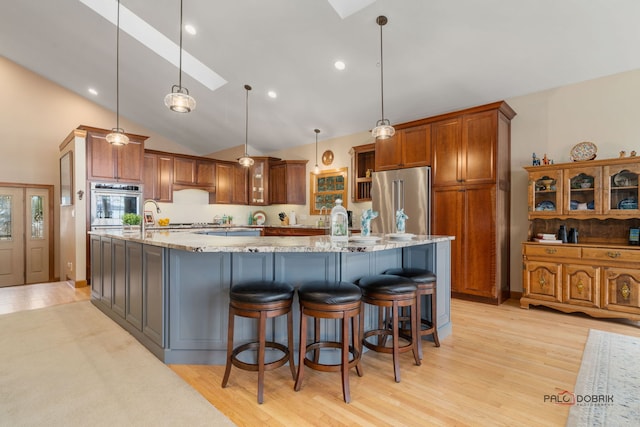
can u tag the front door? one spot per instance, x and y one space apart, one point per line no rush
25 235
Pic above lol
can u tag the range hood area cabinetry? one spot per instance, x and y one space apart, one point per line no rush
109 163
471 197
158 177
189 172
409 147
287 182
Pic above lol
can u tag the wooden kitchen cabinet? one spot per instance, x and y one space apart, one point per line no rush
471 197
409 147
287 182
362 166
113 163
294 231
231 183
259 180
194 173
158 177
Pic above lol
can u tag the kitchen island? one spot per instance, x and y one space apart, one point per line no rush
169 289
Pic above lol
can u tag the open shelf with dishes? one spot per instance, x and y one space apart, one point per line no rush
599 274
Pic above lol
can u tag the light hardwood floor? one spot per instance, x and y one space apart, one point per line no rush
495 370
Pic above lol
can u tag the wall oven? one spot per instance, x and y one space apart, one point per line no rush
109 203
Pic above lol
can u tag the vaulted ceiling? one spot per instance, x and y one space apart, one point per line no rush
439 56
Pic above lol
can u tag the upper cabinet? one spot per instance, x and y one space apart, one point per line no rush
409 147
362 165
465 149
189 172
158 177
287 182
231 183
112 163
583 190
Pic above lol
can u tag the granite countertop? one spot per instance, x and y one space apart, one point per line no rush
190 241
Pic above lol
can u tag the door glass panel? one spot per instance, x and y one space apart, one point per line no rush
5 217
37 218
545 194
624 190
582 193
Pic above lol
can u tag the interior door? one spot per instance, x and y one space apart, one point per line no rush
11 236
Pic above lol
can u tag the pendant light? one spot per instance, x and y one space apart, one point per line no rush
179 99
316 169
117 135
245 160
383 129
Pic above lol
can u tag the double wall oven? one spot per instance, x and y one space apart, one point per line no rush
109 202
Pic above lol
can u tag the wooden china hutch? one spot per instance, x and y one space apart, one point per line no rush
600 274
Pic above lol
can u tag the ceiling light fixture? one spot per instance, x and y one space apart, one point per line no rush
383 129
245 160
339 65
190 29
179 99
117 135
316 169
272 94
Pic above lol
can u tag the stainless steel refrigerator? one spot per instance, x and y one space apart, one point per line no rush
402 188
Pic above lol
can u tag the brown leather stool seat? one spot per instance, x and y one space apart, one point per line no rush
330 300
262 300
388 291
425 281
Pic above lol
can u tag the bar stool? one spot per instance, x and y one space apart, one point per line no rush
388 291
425 282
330 300
262 300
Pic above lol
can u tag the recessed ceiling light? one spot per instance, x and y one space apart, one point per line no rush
190 29
272 94
92 91
339 65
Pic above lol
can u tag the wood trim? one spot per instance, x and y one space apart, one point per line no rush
107 131
76 133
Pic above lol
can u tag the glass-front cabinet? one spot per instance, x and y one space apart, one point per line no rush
582 193
545 193
621 190
258 182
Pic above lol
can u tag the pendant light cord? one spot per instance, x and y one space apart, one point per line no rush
382 70
246 122
180 67
118 69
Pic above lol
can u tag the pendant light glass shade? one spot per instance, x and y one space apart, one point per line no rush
179 99
245 160
383 129
117 135
316 169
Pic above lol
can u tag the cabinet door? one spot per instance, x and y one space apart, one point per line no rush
129 162
106 291
447 208
134 294
224 183
388 153
101 164
622 287
545 193
119 277
158 177
153 282
278 183
620 190
445 142
259 183
416 146
206 173
478 149
542 280
240 196
150 176
184 171
96 267
582 285
582 191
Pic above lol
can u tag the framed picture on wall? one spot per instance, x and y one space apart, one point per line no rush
66 179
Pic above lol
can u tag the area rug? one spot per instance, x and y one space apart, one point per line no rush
607 391
70 365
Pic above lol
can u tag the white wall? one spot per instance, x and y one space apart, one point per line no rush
604 111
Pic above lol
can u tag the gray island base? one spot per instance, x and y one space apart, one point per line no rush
170 289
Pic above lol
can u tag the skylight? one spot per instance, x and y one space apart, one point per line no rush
140 30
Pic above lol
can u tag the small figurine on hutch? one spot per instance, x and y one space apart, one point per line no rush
535 160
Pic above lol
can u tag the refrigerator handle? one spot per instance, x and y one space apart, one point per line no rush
400 195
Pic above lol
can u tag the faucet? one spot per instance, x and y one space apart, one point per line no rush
143 224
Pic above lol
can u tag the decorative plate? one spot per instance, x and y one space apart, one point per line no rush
630 203
400 236
583 151
547 205
259 217
327 157
625 179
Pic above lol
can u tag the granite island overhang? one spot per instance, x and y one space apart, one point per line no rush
170 289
